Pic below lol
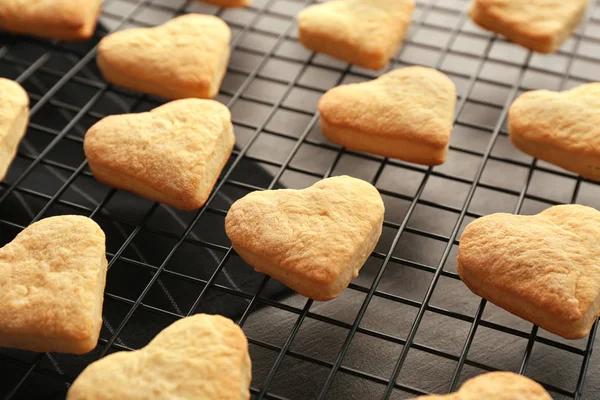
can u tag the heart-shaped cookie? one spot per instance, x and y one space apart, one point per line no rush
14 116
56 19
172 154
314 240
539 25
405 114
562 128
543 268
185 57
199 357
496 386
362 32
52 279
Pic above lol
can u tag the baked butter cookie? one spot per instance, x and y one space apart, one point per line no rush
366 33
199 357
172 154
314 240
562 128
539 25
543 268
405 114
496 386
185 57
14 116
52 279
54 19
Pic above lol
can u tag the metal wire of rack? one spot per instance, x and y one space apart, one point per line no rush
406 326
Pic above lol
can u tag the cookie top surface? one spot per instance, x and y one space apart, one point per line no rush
48 278
311 232
362 19
64 13
550 260
538 17
13 99
198 357
416 103
371 12
567 119
372 25
229 3
185 51
167 148
496 386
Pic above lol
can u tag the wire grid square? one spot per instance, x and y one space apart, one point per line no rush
407 311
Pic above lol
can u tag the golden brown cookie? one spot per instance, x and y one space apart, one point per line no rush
366 33
405 114
185 57
496 386
55 19
52 279
14 116
562 128
542 268
172 154
199 357
314 240
228 3
539 25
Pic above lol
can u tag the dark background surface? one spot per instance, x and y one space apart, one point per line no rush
272 88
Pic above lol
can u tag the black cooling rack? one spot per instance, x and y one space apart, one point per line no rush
407 326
